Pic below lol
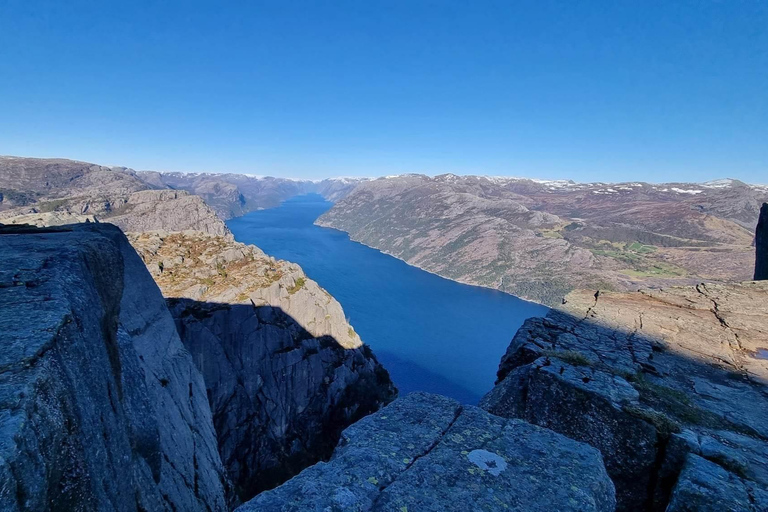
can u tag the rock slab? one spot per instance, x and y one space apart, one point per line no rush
101 407
429 453
648 378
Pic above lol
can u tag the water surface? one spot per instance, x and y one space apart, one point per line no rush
432 334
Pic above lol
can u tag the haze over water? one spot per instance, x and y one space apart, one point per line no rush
432 334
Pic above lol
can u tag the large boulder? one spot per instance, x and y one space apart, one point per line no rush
429 453
648 378
101 407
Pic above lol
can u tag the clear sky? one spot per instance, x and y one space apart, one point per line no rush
598 90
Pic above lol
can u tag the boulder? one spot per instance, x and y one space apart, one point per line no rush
429 453
647 378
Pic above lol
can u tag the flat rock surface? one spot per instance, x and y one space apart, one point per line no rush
428 453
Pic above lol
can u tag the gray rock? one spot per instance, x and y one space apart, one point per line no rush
101 407
428 453
166 210
706 487
761 245
285 372
647 378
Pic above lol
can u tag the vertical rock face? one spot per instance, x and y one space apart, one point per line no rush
284 371
652 379
101 407
761 245
429 453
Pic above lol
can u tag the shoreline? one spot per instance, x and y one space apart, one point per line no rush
429 271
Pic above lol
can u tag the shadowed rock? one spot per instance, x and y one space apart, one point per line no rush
428 453
761 245
101 407
284 370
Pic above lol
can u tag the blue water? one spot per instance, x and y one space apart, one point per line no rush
432 334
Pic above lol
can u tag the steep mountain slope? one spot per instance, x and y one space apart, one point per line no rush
101 407
284 370
539 240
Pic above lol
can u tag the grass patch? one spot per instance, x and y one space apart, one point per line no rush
678 405
50 206
297 285
663 423
569 356
351 332
550 233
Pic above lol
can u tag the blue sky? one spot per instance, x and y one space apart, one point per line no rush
604 90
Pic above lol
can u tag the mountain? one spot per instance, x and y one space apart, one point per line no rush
48 192
233 195
540 239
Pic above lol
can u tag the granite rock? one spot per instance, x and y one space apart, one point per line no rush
101 407
428 453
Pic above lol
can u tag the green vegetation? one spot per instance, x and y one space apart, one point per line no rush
51 206
351 332
663 423
656 269
551 233
678 404
571 357
298 285
222 271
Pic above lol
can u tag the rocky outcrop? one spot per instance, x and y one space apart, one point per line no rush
46 192
541 239
651 379
428 453
761 245
166 210
284 371
101 407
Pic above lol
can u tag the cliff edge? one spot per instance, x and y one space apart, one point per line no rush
102 407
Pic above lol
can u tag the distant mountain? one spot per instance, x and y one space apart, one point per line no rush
540 239
47 191
232 195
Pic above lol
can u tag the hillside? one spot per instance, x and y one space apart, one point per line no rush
541 239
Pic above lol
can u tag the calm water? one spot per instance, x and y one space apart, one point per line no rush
432 334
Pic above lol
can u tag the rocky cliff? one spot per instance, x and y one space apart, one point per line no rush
761 245
670 385
101 406
284 371
540 239
428 453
